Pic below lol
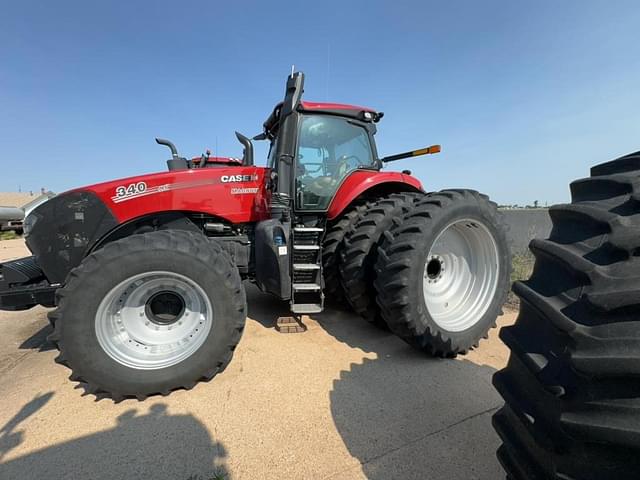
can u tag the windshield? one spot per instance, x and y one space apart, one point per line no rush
329 148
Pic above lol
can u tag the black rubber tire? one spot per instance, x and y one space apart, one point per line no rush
332 246
187 253
360 252
572 383
400 269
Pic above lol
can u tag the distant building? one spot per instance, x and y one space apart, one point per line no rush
15 199
15 206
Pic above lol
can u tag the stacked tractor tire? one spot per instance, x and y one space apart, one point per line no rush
380 257
572 384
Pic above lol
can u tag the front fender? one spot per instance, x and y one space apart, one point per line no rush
361 182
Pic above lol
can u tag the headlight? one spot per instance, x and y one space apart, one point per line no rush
29 223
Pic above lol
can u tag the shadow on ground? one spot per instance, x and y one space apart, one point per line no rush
156 445
406 415
10 436
38 341
265 308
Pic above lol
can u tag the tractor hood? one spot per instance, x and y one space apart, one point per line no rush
62 231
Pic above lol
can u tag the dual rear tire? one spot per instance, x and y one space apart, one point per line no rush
432 268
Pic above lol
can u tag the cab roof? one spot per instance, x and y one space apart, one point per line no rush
356 112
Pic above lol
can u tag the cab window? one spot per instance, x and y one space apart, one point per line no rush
329 148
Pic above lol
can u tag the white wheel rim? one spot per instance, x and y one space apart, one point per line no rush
461 275
153 320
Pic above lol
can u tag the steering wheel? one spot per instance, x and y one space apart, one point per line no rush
325 185
344 165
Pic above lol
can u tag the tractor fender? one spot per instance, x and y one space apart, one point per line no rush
370 183
169 220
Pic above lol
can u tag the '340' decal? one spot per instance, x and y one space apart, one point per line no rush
132 189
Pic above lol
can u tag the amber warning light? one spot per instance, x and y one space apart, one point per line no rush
413 153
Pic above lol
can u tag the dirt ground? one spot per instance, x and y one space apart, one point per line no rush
343 400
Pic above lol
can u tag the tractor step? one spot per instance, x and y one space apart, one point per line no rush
290 325
306 247
307 287
306 269
303 308
307 229
306 266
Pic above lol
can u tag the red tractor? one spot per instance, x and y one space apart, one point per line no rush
146 272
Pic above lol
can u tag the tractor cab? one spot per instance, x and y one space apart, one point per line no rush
315 146
329 148
316 150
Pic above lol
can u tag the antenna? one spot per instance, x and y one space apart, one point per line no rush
328 69
293 67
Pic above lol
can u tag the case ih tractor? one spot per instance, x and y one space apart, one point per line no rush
146 272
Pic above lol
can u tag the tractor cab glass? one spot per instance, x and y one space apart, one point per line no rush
329 148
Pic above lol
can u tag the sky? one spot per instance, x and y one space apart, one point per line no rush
523 96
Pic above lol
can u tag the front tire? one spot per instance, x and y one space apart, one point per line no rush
443 273
149 314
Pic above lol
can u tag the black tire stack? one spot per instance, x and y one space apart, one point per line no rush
572 384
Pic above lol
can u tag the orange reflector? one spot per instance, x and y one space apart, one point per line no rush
425 151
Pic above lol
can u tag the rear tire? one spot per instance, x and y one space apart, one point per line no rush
149 314
332 246
443 273
571 389
360 252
